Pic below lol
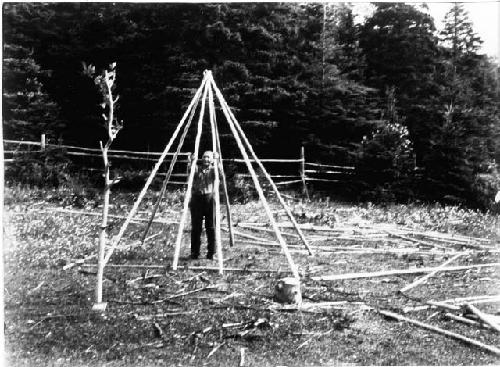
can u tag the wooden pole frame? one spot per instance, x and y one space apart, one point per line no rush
259 163
187 196
256 181
152 175
211 110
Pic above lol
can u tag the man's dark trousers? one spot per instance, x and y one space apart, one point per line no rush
202 206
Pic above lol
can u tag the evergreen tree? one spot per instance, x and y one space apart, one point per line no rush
458 33
339 109
28 111
461 164
401 51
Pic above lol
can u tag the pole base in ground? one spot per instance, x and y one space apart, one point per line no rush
99 307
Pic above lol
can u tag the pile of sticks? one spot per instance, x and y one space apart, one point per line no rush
393 238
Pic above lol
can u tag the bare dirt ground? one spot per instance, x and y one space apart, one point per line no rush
194 316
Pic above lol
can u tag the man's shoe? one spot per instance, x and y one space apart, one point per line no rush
194 257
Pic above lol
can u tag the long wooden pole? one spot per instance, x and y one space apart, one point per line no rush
441 331
224 187
133 211
262 197
483 317
432 273
187 197
259 163
211 110
303 172
170 169
42 142
400 272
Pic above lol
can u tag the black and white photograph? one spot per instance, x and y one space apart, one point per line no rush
268 184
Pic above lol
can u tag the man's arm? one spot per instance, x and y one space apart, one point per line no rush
218 163
191 157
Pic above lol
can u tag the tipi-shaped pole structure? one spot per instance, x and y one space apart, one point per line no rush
187 198
256 182
207 89
266 174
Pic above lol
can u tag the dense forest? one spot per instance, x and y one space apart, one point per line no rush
416 111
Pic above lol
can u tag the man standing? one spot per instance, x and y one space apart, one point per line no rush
202 205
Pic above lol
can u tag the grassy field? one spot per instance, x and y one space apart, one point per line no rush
156 316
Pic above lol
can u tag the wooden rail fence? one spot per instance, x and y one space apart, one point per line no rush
307 171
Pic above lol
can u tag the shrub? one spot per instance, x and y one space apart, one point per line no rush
484 189
385 163
49 168
240 189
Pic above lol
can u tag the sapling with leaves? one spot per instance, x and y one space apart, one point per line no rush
105 81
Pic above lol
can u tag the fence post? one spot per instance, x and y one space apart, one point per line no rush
42 143
303 172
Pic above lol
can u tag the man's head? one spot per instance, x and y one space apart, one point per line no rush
207 158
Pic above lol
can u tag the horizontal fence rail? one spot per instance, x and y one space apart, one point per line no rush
327 172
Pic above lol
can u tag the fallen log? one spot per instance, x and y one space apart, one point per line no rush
452 237
249 236
474 299
215 349
305 226
477 343
255 228
399 272
187 267
427 276
81 212
447 305
318 306
443 305
484 317
414 240
464 320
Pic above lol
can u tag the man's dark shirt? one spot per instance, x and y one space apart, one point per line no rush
204 178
